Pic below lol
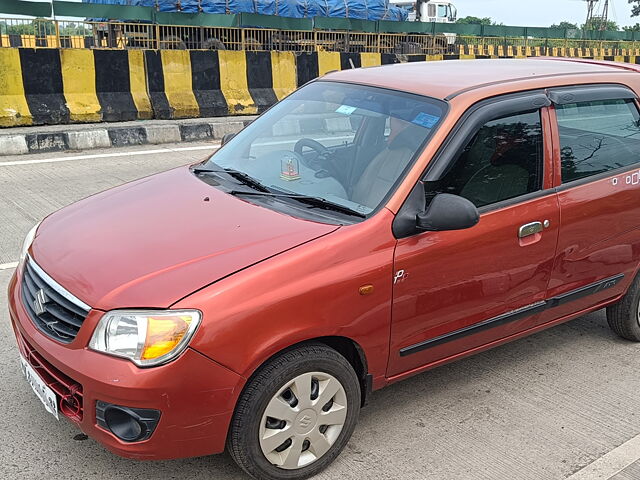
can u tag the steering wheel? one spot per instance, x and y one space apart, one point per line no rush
319 162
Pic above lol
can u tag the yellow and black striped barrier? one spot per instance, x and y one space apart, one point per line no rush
215 83
500 51
47 41
51 85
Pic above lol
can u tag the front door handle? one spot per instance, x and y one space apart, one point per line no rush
530 229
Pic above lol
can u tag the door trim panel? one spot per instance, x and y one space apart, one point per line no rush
585 291
519 314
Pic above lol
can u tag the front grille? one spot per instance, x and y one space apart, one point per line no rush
55 312
68 391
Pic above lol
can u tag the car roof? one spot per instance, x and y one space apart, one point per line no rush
447 79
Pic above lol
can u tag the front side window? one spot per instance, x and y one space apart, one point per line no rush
347 144
431 10
597 137
442 11
503 160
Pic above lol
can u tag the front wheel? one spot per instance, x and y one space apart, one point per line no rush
295 415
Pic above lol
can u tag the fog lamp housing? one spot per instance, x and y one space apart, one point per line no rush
127 423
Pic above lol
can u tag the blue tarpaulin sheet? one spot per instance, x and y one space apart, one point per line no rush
360 9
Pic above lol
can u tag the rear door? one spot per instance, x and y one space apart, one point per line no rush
457 290
598 136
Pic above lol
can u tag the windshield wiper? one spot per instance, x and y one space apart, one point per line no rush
244 178
262 190
308 199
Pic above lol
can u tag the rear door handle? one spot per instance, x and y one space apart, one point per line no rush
530 229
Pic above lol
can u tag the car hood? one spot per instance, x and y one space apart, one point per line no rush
151 242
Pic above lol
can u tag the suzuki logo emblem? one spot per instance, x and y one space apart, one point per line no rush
305 421
39 302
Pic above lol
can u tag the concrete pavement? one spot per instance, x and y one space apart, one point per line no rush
53 138
29 191
560 404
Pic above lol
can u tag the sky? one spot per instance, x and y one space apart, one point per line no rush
540 13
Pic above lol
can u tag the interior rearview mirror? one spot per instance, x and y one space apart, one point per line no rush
448 212
226 138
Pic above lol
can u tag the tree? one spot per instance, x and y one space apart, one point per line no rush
478 20
567 25
635 10
632 28
38 26
596 24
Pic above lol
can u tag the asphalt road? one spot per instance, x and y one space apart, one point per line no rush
540 408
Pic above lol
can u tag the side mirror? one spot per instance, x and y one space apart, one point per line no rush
448 212
226 138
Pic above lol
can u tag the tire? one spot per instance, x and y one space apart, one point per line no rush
213 44
173 42
624 316
251 43
275 389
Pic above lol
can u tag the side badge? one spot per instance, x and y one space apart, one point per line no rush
401 276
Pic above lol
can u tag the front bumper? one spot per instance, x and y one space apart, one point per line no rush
195 395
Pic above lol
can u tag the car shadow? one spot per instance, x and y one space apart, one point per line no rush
507 357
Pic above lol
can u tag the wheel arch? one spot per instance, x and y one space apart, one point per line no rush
345 346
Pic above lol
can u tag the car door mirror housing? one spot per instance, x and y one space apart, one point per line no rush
448 212
226 138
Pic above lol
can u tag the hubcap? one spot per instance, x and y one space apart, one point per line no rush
303 420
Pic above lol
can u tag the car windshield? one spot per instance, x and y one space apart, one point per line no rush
347 145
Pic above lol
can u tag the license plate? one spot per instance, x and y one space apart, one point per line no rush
42 391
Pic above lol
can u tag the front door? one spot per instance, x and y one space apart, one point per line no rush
457 290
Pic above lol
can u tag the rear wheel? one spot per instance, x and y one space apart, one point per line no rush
213 44
295 415
624 316
173 42
252 44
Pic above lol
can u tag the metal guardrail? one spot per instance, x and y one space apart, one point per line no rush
38 33
129 13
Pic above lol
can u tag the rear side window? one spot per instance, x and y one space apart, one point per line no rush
597 137
504 160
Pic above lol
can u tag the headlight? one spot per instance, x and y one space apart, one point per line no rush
148 337
28 240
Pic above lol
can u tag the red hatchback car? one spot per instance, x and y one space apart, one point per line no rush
376 223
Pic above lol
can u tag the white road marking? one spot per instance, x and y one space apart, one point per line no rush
294 140
613 462
213 146
7 266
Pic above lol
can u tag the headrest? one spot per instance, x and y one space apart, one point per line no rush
411 138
